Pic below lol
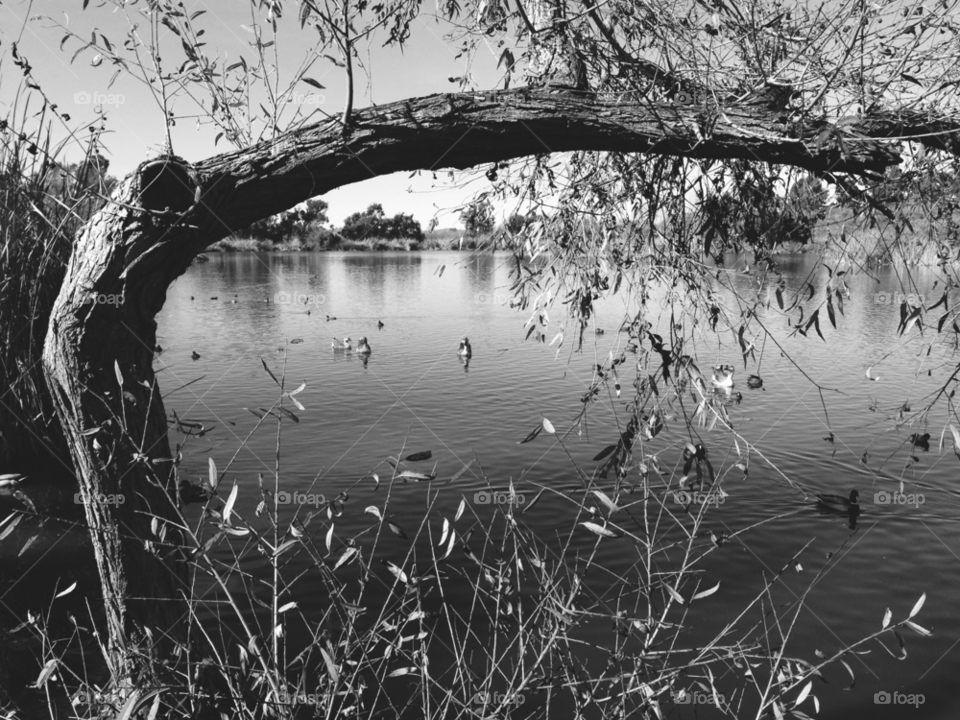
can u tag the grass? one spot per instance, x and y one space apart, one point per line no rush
42 205
469 614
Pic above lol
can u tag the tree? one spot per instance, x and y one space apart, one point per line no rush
648 102
372 223
297 222
366 224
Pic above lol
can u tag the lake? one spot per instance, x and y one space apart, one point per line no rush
414 394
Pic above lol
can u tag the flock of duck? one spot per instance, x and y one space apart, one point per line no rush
363 346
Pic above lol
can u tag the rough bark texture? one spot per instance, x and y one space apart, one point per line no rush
98 360
168 211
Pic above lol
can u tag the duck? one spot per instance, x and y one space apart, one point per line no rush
465 350
379 324
11 480
839 502
363 346
195 355
158 349
599 331
723 377
330 318
341 344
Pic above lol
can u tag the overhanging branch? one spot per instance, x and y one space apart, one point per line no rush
463 130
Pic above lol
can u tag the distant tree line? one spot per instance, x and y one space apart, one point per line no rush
373 223
308 223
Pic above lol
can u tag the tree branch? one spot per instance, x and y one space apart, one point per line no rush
466 129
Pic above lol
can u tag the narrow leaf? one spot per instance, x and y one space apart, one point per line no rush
920 602
212 473
66 592
269 372
705 593
228 508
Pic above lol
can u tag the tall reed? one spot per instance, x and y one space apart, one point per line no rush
43 202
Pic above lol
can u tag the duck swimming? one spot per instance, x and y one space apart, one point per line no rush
379 324
839 502
465 351
723 377
195 355
363 346
341 344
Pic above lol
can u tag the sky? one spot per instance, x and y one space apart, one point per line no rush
134 119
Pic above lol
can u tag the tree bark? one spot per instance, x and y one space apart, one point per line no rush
98 355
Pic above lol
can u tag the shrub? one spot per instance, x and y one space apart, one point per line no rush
372 223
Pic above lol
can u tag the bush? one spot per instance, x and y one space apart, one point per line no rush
372 223
298 222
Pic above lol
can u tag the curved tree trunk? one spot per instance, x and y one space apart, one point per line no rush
98 355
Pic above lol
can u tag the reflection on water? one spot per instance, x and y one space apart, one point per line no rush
414 391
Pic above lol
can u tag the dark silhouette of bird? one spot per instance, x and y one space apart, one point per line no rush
158 349
380 324
839 502
195 355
